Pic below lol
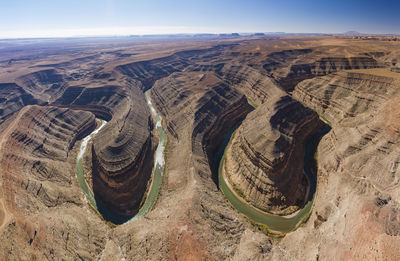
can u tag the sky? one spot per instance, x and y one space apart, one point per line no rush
60 18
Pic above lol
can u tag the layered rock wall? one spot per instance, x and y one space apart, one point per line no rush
46 84
324 66
12 99
346 94
123 150
289 67
358 177
266 159
35 155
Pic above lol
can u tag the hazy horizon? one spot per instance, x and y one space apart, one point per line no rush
29 19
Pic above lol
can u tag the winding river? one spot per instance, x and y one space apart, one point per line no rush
157 175
274 223
159 164
79 165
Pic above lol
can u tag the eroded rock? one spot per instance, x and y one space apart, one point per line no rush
266 160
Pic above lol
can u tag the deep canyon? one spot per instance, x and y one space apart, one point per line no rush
304 129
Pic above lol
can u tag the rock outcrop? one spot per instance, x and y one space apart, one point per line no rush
35 151
290 67
45 84
123 151
266 159
357 192
257 86
148 72
324 66
217 109
12 99
198 109
40 190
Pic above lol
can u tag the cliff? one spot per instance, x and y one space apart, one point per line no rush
358 162
289 67
123 150
12 99
41 195
45 84
266 159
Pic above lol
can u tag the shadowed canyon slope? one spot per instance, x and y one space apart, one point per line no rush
123 151
358 185
274 93
265 162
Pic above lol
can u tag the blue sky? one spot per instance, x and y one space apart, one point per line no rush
26 18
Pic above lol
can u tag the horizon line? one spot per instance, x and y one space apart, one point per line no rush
118 31
192 34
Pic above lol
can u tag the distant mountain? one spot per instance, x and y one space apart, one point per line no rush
353 33
229 35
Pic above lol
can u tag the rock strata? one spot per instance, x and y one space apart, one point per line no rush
289 67
324 66
42 199
37 147
266 159
216 107
357 190
46 84
123 151
12 99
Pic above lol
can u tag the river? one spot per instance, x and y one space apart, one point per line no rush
159 164
274 223
79 165
157 175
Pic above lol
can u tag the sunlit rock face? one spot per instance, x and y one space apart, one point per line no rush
123 151
266 160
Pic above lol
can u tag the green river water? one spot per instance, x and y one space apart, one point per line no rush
275 223
158 171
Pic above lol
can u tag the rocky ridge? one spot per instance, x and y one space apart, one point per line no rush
45 84
290 67
123 151
357 196
200 94
12 99
197 107
40 188
265 161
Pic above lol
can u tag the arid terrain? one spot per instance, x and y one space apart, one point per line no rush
241 114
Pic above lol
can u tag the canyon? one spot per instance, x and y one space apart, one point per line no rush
301 129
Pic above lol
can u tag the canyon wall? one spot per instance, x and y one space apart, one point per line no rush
45 84
266 159
289 67
123 150
12 99
357 204
44 213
